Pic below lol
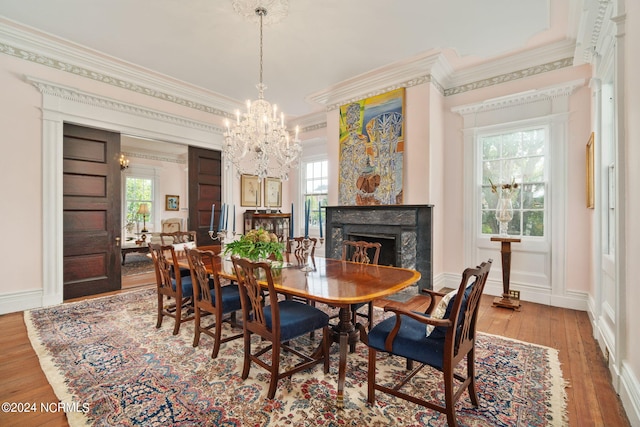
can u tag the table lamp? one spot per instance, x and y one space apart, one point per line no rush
143 210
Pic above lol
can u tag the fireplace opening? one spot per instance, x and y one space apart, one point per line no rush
388 249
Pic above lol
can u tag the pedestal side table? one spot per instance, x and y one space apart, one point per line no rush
506 301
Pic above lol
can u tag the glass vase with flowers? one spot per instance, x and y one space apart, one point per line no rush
504 207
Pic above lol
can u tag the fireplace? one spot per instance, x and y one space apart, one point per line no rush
403 230
388 249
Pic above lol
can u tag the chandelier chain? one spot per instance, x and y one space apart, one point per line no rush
259 143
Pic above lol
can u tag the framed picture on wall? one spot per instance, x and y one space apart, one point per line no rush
172 202
250 190
272 192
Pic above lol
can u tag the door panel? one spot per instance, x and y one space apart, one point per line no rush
91 211
205 189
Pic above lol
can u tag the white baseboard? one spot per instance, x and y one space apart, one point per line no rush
630 395
20 301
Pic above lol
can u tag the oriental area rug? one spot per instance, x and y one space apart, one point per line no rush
110 366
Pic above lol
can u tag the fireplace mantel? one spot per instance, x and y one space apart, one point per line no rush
409 227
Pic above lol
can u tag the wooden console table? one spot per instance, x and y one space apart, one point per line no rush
506 301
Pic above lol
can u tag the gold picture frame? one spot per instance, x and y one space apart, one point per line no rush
272 193
250 191
590 172
172 202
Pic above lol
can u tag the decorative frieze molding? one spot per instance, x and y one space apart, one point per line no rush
154 157
511 76
41 49
79 96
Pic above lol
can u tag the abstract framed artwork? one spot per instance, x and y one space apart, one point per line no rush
371 158
250 190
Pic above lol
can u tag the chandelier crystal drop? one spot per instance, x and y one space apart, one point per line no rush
258 143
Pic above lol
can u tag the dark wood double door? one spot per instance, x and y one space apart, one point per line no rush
92 183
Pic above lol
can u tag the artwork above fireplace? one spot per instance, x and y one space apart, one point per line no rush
405 232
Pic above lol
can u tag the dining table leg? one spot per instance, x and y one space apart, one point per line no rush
344 333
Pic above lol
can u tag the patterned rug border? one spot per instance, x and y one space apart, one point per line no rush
58 381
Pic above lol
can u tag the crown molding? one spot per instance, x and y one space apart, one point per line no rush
414 71
31 45
87 98
522 98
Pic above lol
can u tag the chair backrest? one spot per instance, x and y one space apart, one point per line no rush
361 251
164 258
252 298
178 237
464 311
295 247
198 262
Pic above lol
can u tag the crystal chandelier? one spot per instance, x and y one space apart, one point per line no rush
258 143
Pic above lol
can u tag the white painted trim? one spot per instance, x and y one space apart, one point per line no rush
20 301
630 394
62 104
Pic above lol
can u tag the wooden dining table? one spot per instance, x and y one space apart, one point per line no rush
336 283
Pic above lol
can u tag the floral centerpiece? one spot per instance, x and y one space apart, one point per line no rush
504 207
256 245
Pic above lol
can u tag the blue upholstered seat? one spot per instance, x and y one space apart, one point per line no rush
441 338
230 298
411 341
296 319
278 321
187 286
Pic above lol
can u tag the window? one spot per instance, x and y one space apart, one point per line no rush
315 185
520 157
137 192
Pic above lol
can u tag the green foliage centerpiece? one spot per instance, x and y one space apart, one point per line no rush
256 245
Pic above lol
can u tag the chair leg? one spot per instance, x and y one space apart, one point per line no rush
471 373
178 319
326 346
371 377
275 369
370 314
247 355
449 403
218 335
160 316
196 326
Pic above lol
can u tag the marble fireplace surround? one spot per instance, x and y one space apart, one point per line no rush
406 230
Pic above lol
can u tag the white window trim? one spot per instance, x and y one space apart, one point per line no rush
551 107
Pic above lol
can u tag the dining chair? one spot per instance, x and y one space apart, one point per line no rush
295 250
442 338
364 253
278 321
177 238
213 298
171 286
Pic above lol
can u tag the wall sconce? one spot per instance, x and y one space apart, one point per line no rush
143 210
124 162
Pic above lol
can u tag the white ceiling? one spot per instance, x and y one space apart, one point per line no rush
318 45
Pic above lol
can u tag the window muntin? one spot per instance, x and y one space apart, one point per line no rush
517 156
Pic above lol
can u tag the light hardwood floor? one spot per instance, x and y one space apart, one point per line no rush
591 398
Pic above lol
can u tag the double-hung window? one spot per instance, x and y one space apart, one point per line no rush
316 184
138 191
515 157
